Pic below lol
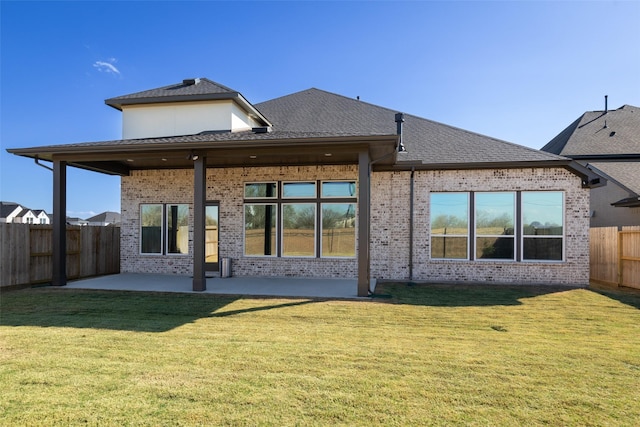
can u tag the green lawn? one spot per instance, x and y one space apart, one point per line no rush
422 355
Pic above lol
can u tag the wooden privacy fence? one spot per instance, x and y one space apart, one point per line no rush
615 256
26 253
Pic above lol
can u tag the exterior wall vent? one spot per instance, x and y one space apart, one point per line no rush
261 129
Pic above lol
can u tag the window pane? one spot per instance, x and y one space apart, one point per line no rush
494 248
298 229
178 229
542 213
339 189
260 229
211 234
495 213
299 189
260 190
542 249
450 213
449 247
339 230
151 229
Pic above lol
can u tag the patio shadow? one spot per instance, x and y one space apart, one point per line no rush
116 310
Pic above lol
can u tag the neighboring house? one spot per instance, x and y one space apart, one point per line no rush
315 184
14 213
76 221
9 211
41 217
607 142
105 218
26 216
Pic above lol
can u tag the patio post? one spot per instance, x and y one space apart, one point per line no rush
364 196
59 256
199 206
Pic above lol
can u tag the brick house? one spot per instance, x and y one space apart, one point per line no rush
315 184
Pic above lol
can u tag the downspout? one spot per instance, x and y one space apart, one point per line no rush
411 184
37 160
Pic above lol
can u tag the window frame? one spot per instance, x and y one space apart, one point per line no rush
467 235
519 235
477 235
317 200
164 230
321 235
561 236
162 219
244 188
315 228
244 229
167 206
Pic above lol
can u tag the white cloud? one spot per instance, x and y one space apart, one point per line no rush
107 67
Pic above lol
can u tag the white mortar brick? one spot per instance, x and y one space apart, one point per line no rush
389 223
390 205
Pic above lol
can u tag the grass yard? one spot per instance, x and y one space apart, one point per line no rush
426 355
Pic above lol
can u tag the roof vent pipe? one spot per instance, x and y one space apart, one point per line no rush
399 121
606 102
190 82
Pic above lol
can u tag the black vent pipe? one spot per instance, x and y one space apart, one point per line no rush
399 121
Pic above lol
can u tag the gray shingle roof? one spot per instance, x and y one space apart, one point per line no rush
625 173
314 114
7 208
188 89
596 133
425 140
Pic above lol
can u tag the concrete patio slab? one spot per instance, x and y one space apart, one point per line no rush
257 286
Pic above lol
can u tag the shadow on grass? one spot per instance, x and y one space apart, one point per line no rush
628 296
456 295
116 310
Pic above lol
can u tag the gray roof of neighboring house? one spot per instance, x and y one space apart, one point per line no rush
6 208
626 174
105 217
600 133
315 110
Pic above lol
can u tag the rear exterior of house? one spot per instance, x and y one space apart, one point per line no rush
391 254
314 184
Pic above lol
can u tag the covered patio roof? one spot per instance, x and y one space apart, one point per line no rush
255 148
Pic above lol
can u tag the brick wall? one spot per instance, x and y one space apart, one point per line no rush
390 214
226 187
389 223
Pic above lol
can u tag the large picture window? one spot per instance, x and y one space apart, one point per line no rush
164 229
290 219
509 226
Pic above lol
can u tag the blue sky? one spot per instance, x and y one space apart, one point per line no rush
518 71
